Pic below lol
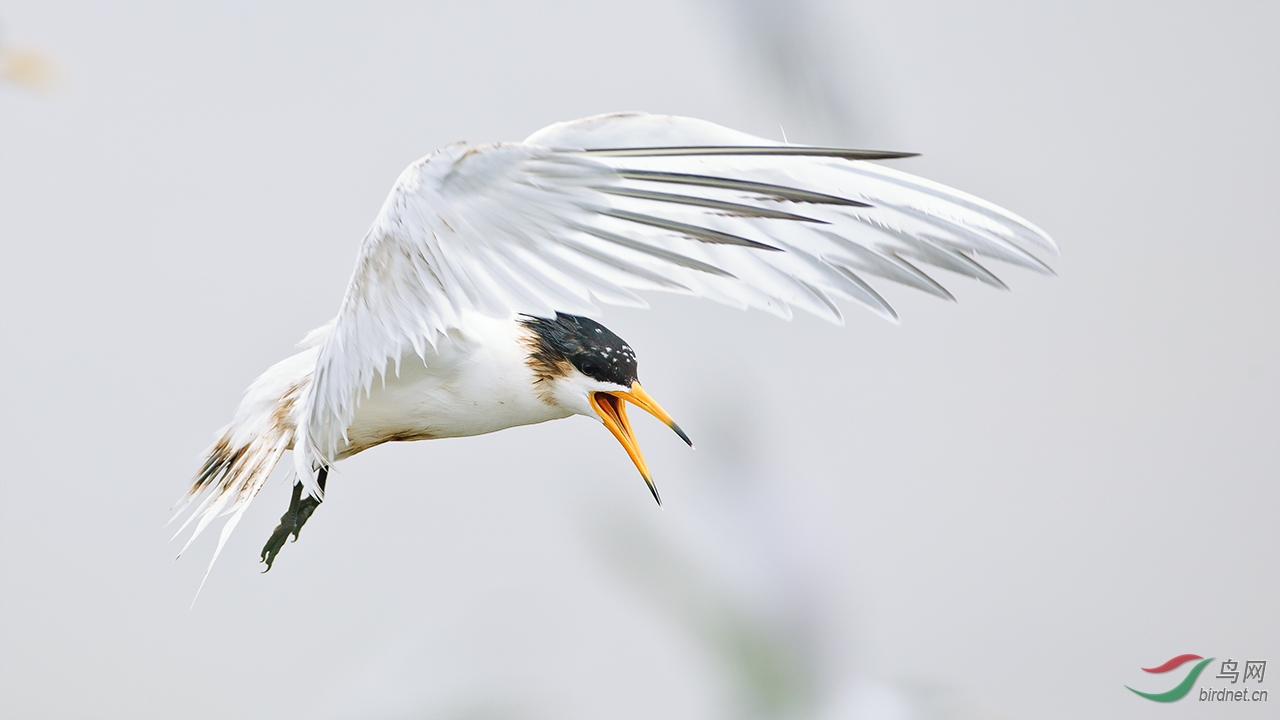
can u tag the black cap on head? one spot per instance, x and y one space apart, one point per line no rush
589 346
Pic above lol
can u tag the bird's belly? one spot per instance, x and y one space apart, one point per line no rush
464 388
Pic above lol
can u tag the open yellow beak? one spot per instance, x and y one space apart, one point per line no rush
613 411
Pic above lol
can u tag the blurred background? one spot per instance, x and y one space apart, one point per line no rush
1002 508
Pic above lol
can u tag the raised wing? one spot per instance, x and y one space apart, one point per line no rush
597 209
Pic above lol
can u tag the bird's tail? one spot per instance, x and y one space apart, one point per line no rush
245 452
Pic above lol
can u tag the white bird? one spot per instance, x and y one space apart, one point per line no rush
464 315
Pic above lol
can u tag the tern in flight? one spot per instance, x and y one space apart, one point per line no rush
466 311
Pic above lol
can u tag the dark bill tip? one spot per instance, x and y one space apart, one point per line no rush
653 489
683 437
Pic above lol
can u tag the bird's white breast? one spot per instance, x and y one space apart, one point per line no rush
475 381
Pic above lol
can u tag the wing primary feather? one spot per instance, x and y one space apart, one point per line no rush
982 241
1021 227
836 317
613 262
728 207
891 267
784 150
944 257
590 281
715 237
846 282
781 192
872 298
672 257
929 250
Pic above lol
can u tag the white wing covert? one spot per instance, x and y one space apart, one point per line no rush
597 209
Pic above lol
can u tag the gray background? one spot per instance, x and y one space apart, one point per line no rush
1002 508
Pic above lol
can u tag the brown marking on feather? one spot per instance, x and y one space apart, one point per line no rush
282 416
410 436
359 446
547 363
223 463
218 459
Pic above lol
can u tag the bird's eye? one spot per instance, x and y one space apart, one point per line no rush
588 369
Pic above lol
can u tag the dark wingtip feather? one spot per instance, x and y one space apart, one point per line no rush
731 208
785 150
702 234
779 192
